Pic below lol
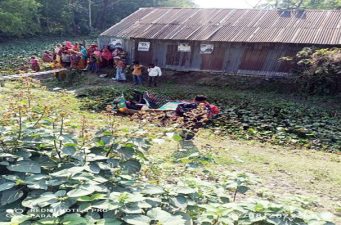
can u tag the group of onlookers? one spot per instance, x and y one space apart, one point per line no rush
91 58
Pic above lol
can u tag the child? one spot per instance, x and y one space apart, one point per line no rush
61 75
75 58
153 73
137 73
120 75
35 64
93 64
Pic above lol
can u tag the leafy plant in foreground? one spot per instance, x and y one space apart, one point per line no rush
52 174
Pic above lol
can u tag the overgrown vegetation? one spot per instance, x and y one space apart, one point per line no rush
58 171
247 115
19 18
319 70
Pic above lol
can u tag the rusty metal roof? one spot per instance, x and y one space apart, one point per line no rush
232 25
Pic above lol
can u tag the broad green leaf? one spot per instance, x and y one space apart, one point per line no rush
186 217
68 172
131 166
108 221
164 217
6 186
126 152
152 190
16 220
43 200
179 202
242 189
81 190
25 166
93 168
69 150
60 208
48 221
23 153
177 137
38 185
10 196
132 208
137 219
185 190
106 205
73 219
91 198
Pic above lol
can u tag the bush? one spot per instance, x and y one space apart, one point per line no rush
318 70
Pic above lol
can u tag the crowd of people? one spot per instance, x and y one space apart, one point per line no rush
93 59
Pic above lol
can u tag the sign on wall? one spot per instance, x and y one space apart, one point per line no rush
184 47
206 48
143 46
116 43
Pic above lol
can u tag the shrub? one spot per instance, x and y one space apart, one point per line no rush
318 70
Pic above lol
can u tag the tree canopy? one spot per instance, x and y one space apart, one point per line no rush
305 4
31 17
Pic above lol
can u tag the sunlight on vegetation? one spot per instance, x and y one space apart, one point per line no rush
61 169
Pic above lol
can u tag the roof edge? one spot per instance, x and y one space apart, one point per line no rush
312 10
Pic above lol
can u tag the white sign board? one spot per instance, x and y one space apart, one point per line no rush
143 46
206 48
184 47
116 43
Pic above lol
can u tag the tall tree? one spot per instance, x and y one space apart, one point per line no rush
307 4
29 17
19 17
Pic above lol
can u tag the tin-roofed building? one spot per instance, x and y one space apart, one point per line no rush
238 41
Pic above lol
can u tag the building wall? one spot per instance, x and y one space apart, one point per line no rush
232 58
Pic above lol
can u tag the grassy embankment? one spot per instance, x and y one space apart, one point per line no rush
285 169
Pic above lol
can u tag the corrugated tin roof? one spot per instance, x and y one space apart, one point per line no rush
232 25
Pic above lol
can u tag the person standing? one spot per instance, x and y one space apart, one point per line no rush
120 75
107 59
137 73
153 73
84 58
66 59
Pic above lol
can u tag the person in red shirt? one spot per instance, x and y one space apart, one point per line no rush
35 64
91 50
107 59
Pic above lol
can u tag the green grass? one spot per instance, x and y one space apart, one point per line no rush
311 122
284 171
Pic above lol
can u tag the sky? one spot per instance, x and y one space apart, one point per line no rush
226 3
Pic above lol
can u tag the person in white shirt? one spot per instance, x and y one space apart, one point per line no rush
153 73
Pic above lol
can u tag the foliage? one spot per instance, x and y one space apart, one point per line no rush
248 116
55 174
319 70
14 56
308 4
68 17
16 21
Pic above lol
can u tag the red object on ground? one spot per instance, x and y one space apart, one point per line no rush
214 109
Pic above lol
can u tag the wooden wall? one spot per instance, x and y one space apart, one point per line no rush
233 58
